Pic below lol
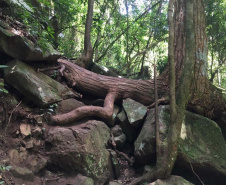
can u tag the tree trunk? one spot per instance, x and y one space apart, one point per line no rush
88 49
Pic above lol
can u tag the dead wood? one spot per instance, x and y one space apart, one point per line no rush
110 88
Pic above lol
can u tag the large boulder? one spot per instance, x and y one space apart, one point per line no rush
144 146
81 148
201 143
135 111
37 87
16 45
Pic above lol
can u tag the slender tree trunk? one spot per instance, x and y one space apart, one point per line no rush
127 39
88 49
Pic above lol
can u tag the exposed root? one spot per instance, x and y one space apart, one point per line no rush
105 112
162 101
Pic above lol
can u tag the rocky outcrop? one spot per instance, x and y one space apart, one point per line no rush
16 45
201 144
82 149
37 87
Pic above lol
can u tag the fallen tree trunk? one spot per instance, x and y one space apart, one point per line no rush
99 85
110 88
116 89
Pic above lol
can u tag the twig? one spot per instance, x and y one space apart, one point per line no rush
193 169
162 101
195 173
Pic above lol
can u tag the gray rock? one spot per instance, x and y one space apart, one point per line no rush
68 105
115 183
115 113
202 145
81 148
37 87
172 180
22 173
144 146
119 136
135 111
17 46
201 142
127 128
14 156
35 163
77 180
29 144
83 180
111 122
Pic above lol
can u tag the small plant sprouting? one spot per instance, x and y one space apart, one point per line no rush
2 170
52 108
49 110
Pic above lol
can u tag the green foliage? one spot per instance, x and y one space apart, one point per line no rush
62 22
5 168
50 110
216 29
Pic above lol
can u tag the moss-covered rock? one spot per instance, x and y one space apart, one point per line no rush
14 44
201 143
82 149
37 87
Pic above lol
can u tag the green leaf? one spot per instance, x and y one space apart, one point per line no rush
2 182
8 168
